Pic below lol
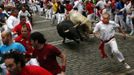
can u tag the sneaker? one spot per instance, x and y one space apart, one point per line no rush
127 66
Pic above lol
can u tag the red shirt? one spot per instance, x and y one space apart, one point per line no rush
89 8
69 7
47 58
113 3
26 43
17 29
33 70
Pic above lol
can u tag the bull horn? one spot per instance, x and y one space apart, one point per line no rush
76 25
66 31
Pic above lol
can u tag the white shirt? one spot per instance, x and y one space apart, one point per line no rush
106 30
12 22
33 61
30 1
26 14
108 8
23 1
127 8
78 4
101 4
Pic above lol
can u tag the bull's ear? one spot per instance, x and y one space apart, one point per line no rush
66 31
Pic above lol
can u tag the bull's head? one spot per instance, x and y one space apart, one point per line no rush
72 33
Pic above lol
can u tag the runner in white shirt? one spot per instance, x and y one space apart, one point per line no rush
127 9
24 12
105 31
12 21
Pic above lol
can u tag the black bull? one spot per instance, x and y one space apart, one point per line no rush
73 33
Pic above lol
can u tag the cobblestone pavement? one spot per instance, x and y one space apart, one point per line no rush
84 58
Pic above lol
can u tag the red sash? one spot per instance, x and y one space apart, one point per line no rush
101 47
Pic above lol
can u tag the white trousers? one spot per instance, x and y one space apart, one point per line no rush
114 49
48 13
119 20
60 17
54 17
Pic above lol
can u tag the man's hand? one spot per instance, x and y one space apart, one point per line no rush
97 35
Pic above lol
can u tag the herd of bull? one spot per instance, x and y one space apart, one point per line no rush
75 27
